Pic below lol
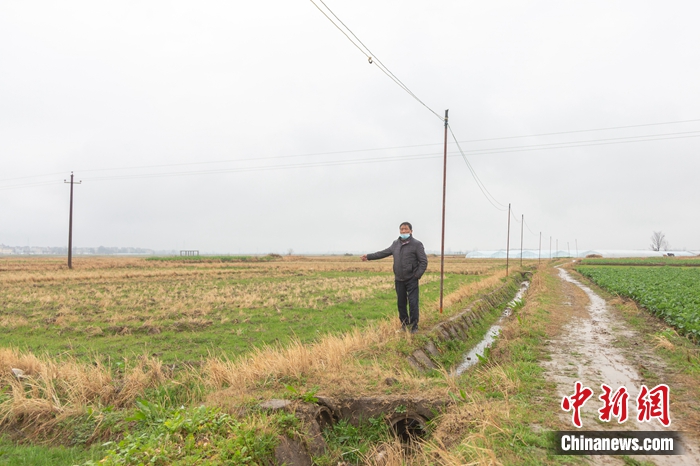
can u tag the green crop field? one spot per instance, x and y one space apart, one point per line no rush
671 293
646 261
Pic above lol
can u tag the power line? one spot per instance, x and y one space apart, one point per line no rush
371 58
271 167
31 176
528 227
28 185
479 183
587 142
472 151
341 162
584 130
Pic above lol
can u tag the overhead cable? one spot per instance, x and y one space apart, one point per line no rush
584 130
588 142
563 145
371 58
479 183
528 227
29 185
342 162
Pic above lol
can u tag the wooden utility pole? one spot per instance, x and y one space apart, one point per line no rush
70 222
522 225
444 191
508 242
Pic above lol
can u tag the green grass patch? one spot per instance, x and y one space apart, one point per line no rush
348 443
198 435
36 455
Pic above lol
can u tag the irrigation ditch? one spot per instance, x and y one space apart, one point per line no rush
407 417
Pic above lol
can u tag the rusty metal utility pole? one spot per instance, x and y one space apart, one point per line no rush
508 242
444 191
70 222
522 225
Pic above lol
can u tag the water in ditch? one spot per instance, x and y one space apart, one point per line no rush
472 357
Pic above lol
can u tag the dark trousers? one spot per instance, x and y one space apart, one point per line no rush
407 292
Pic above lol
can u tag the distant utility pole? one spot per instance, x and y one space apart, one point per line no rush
508 242
522 225
539 254
70 222
442 247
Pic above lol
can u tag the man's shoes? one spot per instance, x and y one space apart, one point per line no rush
414 329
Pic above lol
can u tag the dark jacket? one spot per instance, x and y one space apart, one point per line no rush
410 260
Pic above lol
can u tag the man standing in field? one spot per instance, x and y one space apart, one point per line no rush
410 263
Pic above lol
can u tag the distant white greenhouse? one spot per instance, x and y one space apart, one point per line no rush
535 254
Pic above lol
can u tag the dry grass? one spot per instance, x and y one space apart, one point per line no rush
129 290
662 342
50 388
430 453
295 360
328 363
470 290
40 268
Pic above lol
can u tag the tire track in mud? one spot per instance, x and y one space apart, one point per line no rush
585 351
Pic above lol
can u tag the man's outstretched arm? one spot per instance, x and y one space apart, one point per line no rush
379 254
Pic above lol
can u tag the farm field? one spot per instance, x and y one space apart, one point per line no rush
185 310
101 344
72 407
646 261
671 293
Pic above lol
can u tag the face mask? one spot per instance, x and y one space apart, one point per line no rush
404 235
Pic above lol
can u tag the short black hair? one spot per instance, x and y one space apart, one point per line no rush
410 227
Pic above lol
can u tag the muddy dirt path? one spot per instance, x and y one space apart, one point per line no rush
587 351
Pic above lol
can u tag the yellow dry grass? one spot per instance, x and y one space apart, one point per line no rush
49 387
470 289
295 359
113 291
663 342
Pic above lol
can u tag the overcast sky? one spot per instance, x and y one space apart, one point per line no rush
266 126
